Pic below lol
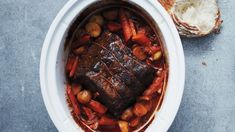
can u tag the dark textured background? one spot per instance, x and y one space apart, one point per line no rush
209 99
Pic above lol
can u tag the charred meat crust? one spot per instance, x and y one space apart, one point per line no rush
110 69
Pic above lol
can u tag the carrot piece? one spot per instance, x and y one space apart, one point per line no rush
69 64
81 41
132 26
85 39
76 88
125 25
90 115
148 62
74 67
104 120
145 98
148 105
139 53
114 27
134 122
155 49
97 107
80 50
73 100
140 110
142 39
141 30
154 87
152 49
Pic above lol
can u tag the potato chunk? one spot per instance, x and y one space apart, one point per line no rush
93 29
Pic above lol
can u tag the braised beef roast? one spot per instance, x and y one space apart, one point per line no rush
110 69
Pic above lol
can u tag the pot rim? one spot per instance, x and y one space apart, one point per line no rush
174 91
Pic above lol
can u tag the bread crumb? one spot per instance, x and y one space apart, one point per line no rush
204 63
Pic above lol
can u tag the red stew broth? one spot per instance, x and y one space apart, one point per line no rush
78 30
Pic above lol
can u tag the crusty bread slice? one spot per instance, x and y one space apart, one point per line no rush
194 18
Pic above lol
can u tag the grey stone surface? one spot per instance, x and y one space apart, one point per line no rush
208 104
23 27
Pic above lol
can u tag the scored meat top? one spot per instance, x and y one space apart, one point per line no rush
110 69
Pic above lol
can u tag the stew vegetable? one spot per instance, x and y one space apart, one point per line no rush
116 70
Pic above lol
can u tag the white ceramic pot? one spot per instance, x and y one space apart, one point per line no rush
52 65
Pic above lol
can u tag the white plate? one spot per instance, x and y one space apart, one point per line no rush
52 63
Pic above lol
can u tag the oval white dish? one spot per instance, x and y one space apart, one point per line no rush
52 61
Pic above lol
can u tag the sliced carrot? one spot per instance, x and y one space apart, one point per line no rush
141 39
139 53
73 100
145 98
125 25
139 109
85 39
141 30
134 122
81 41
148 62
148 105
74 67
90 115
154 87
155 49
97 107
152 49
76 88
114 27
69 64
104 120
132 26
80 50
